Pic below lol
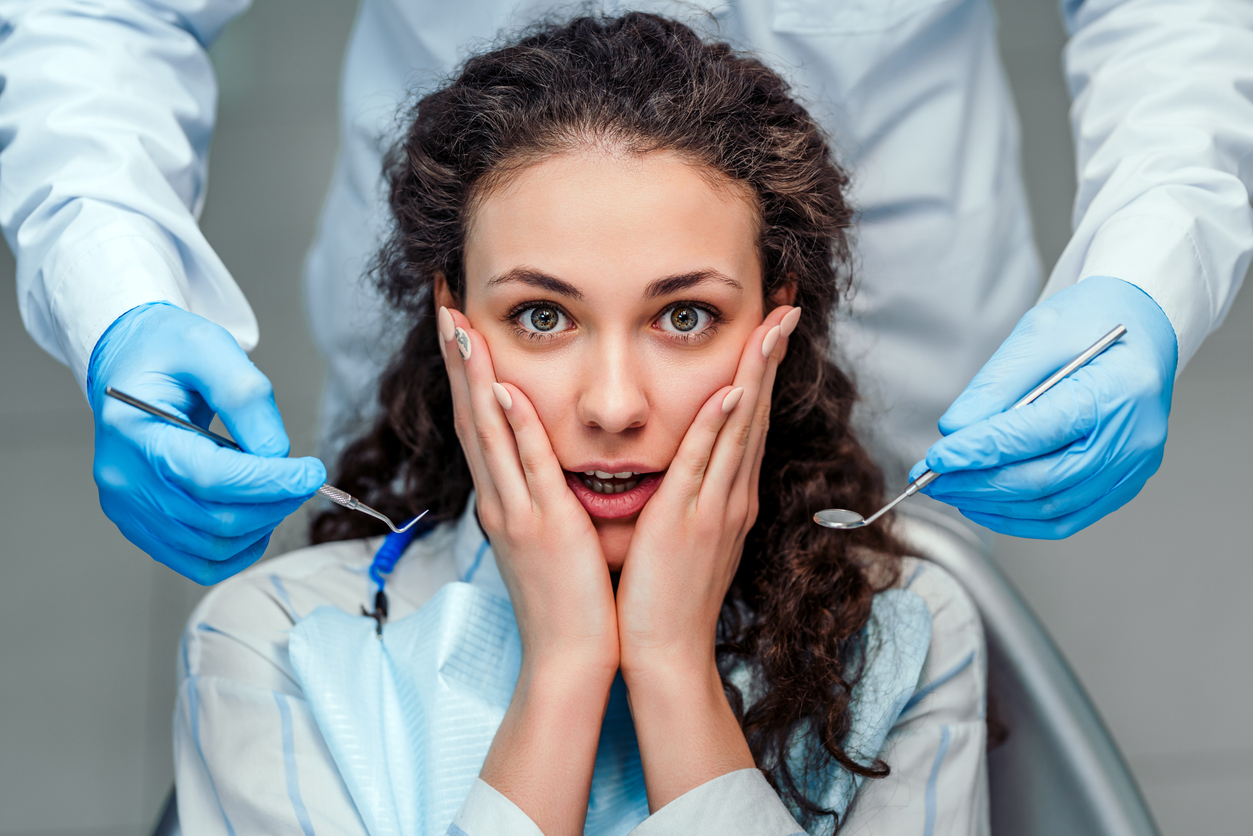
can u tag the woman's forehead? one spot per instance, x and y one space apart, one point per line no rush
600 220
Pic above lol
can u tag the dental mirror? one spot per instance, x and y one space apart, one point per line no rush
839 518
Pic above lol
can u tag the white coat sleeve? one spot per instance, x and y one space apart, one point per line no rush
739 803
106 111
1162 117
486 812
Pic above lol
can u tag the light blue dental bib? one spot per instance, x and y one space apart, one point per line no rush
409 717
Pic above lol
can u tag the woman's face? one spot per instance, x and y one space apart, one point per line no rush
617 292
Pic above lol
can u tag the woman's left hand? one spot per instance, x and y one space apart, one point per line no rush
687 542
683 555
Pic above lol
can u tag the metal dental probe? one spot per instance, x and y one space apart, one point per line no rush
845 520
331 492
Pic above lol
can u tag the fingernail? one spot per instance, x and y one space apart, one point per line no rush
732 399
789 322
463 343
771 340
446 325
502 395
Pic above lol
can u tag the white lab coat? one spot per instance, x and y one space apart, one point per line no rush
105 119
250 758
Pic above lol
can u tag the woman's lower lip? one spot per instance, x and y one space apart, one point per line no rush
612 506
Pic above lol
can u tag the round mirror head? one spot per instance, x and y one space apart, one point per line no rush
839 518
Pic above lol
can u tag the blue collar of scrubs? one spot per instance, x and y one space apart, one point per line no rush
472 556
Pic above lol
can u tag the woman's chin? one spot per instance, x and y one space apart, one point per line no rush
615 539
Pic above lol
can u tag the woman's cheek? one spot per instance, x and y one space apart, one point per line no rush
615 539
688 386
547 384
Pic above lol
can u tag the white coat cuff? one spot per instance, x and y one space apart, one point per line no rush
1160 258
488 813
740 803
113 269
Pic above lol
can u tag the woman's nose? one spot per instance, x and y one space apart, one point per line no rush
613 396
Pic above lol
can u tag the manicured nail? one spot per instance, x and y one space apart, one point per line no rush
446 325
502 395
732 399
789 322
771 340
463 343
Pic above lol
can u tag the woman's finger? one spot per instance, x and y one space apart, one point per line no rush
750 467
734 440
492 432
686 473
544 477
463 411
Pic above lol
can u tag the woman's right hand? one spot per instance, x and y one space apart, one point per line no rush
549 556
545 545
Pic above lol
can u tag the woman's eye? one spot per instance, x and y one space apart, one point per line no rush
543 319
685 319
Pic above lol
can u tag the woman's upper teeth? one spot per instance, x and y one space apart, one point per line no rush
608 486
600 474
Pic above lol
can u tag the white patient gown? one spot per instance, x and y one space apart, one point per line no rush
258 748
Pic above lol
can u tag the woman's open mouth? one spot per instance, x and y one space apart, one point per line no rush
613 495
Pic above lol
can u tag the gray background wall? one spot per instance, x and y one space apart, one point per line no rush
1151 613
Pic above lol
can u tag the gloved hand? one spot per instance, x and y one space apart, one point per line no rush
205 511
1079 451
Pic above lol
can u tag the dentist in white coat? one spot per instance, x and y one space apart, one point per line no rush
106 115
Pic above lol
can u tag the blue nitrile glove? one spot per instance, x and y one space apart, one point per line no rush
203 510
1082 449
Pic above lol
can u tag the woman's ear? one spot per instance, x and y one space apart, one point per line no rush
785 293
441 294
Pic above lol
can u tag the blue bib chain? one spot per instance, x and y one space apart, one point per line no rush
384 562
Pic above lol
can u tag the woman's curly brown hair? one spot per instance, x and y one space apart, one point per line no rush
802 595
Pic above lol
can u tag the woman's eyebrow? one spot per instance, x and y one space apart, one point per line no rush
674 284
667 286
534 278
